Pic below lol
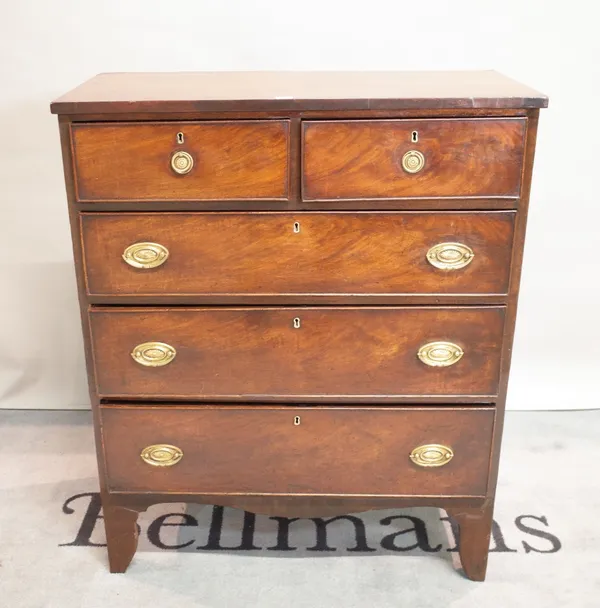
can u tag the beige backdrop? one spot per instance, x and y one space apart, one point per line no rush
49 47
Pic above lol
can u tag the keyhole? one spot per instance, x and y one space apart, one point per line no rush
296 227
297 323
414 137
296 420
180 137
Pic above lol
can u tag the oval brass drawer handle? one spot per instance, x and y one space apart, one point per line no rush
153 354
161 455
432 455
450 256
181 162
146 255
440 354
413 161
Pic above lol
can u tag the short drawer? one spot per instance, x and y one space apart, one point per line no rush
296 450
389 159
281 254
186 161
245 354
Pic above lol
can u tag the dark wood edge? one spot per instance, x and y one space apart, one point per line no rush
414 199
320 212
314 115
137 309
304 105
304 115
289 181
84 266
293 506
380 403
147 122
130 201
511 311
294 161
67 156
310 495
486 407
336 120
74 168
309 203
296 205
294 400
275 300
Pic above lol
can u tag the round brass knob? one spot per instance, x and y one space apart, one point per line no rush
162 455
413 161
431 455
440 354
153 354
146 255
182 162
450 256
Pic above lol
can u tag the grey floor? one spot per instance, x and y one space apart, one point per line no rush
546 550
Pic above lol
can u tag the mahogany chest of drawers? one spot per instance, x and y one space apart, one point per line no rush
298 290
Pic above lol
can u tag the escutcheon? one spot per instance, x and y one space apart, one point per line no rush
432 455
153 354
161 455
440 354
146 255
450 256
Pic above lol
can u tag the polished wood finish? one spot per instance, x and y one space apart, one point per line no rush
263 254
143 93
255 354
122 533
295 205
132 162
362 159
513 296
365 276
475 530
328 451
295 505
296 114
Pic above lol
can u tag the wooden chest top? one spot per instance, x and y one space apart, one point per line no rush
270 91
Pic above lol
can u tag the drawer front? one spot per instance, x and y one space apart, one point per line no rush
295 353
290 450
139 162
297 254
363 159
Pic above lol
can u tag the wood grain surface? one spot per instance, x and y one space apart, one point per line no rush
132 161
296 143
333 451
271 91
256 354
474 534
261 254
362 159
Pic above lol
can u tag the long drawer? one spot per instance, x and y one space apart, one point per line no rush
294 450
287 354
172 161
285 254
427 158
